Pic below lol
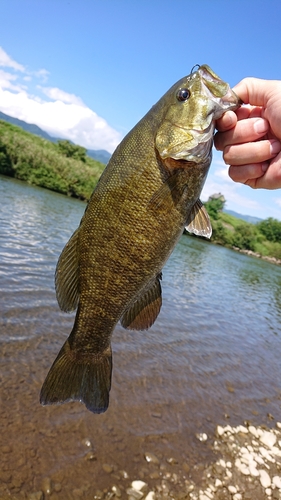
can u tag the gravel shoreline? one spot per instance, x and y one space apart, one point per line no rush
272 260
248 466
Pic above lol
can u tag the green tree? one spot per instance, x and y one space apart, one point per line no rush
214 206
72 150
271 229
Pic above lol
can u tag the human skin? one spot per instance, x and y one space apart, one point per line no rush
250 138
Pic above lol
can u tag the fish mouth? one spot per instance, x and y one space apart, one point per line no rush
230 101
218 91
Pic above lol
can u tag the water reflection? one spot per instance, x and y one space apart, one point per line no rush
214 349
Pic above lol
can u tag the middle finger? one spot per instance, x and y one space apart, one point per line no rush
248 130
252 152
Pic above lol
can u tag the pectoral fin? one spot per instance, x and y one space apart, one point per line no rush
67 278
169 194
198 221
142 314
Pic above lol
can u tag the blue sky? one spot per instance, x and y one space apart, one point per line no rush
88 70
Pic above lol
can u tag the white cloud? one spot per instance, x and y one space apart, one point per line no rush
6 80
60 95
76 122
219 168
7 62
278 201
62 115
218 181
222 173
42 74
231 194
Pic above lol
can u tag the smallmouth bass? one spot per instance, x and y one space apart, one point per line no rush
111 268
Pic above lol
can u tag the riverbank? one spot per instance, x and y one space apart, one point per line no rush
262 240
247 467
272 260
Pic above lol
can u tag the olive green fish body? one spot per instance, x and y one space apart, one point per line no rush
111 267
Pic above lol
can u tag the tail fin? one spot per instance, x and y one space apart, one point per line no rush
79 376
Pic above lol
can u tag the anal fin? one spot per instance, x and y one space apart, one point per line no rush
142 314
67 275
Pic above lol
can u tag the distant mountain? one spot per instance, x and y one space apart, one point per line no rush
247 218
29 127
100 155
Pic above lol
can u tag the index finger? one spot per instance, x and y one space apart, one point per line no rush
254 91
248 112
230 118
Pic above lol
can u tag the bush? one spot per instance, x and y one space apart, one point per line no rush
220 234
72 150
46 164
6 167
245 236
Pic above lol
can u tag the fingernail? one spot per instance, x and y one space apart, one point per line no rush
261 126
275 147
264 167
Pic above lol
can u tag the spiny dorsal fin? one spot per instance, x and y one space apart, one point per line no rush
142 314
67 278
198 221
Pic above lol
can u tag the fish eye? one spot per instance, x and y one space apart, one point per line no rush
183 94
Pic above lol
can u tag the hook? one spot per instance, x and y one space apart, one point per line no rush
196 66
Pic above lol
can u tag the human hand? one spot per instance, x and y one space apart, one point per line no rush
250 137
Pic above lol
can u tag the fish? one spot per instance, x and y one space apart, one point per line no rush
111 268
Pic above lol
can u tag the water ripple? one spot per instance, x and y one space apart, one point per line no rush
219 325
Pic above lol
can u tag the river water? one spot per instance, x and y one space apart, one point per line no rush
212 357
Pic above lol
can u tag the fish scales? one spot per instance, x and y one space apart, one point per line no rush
111 267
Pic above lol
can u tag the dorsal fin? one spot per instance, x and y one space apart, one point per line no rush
198 221
142 314
67 275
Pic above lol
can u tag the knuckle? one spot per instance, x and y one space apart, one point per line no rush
226 155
